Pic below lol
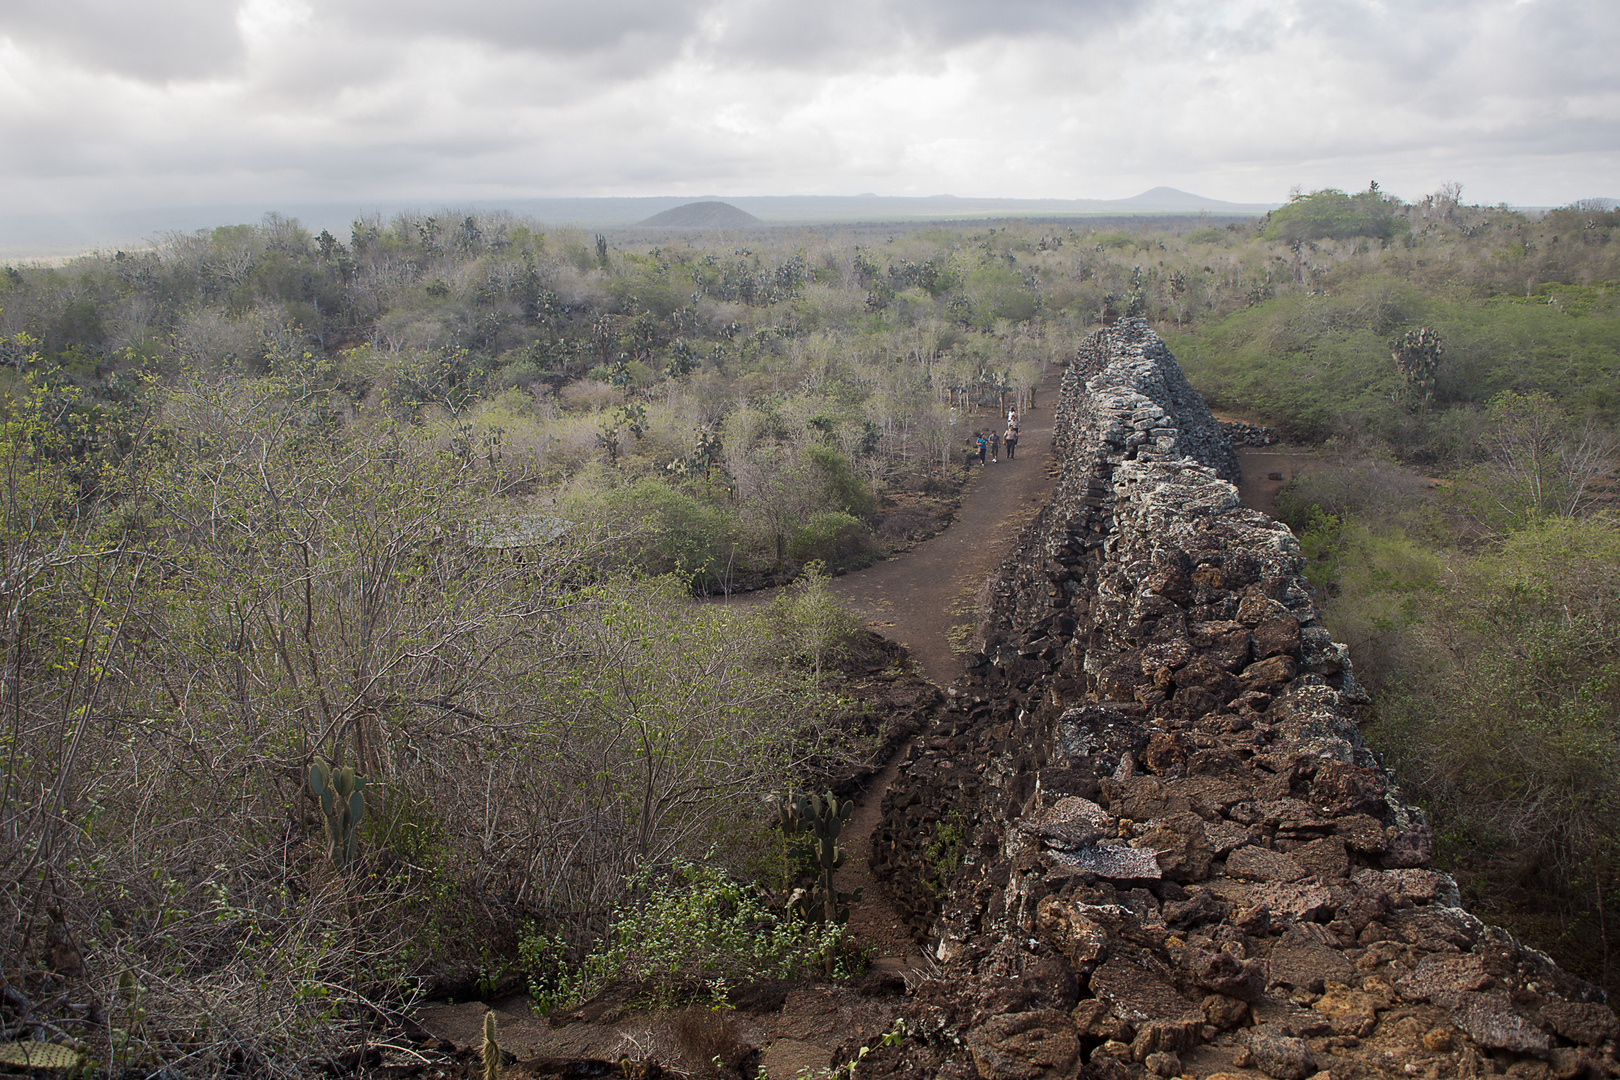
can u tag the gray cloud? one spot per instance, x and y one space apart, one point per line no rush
289 100
548 26
797 35
171 39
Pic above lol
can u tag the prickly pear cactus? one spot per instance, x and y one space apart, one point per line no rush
1417 357
40 1055
823 817
343 804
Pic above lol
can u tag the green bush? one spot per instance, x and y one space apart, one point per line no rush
999 292
810 621
660 528
1331 214
842 487
688 932
1211 235
832 537
1502 715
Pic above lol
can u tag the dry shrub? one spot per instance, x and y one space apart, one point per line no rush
591 395
906 521
709 1042
513 713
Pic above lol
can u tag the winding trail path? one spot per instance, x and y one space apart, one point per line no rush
918 600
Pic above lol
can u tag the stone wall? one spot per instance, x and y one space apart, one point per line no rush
1146 835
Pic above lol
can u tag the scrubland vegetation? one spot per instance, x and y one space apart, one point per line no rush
431 501
1461 528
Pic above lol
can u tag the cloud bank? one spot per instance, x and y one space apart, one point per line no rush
106 104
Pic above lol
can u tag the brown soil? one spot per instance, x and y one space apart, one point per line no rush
923 599
1267 468
918 598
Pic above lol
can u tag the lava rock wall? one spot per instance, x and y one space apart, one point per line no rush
1146 838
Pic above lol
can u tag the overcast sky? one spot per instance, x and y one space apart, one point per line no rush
113 104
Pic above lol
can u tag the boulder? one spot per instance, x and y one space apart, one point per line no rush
1079 939
1114 861
1178 842
1443 977
1280 1056
1137 995
1276 636
1069 823
1580 1021
1491 1021
1351 1012
1410 847
1026 1046
1223 974
1303 959
1260 864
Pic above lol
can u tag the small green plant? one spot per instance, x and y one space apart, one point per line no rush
554 982
690 932
944 852
343 804
893 1037
490 974
822 817
816 623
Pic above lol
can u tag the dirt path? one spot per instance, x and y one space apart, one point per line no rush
1267 468
917 598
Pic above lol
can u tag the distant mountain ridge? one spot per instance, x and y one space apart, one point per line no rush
47 234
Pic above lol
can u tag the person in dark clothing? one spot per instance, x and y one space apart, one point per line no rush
995 444
1011 440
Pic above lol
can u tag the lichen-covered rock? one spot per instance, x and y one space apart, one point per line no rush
1493 1022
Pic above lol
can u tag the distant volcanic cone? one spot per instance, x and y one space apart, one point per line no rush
704 215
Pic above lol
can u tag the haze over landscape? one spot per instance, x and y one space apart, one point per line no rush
115 115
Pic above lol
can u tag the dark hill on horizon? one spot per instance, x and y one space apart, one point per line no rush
703 215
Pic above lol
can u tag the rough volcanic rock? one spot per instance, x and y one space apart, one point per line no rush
1277 1055
1026 1046
1175 849
1493 1022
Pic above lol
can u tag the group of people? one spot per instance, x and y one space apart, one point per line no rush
989 444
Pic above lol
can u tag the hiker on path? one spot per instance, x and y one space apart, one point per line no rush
1012 419
981 444
995 442
1011 439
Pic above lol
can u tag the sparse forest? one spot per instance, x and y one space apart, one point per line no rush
430 502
